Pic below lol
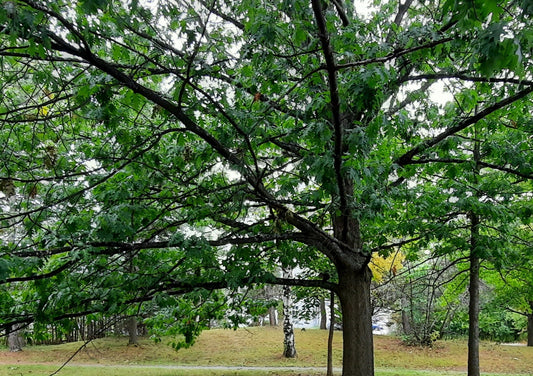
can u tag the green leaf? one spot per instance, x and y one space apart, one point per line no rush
93 6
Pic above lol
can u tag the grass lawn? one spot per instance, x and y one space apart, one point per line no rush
259 347
139 371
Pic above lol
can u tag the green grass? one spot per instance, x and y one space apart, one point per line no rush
36 370
259 347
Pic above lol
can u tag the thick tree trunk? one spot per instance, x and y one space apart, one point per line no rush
530 325
15 341
132 331
354 297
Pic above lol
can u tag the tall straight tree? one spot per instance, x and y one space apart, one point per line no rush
155 149
473 288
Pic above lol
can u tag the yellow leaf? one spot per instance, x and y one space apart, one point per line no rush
389 266
43 111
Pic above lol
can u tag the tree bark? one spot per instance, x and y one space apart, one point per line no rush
530 325
331 331
289 347
132 331
273 320
353 292
473 289
354 297
406 322
473 305
323 314
15 341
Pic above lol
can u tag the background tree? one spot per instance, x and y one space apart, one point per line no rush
513 285
289 346
208 143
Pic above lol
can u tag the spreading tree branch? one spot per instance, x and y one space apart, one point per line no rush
407 158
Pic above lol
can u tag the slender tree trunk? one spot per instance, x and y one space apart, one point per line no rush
323 314
331 331
289 347
406 322
530 325
354 297
273 320
473 289
473 318
473 306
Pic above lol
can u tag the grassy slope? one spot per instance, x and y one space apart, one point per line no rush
263 347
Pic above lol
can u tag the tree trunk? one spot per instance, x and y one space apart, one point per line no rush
530 325
473 305
354 297
406 322
331 331
473 289
15 341
289 347
132 331
273 320
323 314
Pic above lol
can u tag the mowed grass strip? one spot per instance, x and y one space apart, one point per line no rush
263 347
40 369
151 371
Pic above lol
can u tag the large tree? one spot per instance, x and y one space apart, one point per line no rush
151 149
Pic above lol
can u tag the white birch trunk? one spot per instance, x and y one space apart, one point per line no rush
289 347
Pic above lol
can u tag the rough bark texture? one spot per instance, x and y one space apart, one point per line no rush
15 341
132 331
354 296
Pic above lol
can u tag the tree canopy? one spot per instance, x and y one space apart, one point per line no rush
155 149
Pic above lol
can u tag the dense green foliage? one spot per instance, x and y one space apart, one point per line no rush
153 152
